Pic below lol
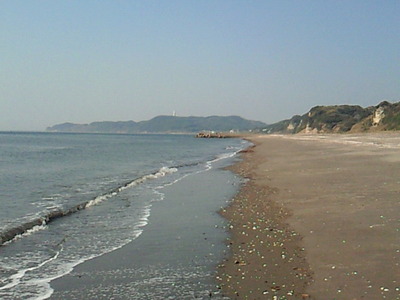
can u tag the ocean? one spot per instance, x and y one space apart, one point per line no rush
112 216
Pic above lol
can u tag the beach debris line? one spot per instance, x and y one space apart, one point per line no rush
267 261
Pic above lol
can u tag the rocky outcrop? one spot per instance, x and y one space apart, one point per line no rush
342 118
378 116
213 135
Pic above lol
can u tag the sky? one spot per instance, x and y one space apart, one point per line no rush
86 61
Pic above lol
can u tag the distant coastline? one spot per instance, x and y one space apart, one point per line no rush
320 119
164 124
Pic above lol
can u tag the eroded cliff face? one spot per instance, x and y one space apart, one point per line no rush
342 118
378 116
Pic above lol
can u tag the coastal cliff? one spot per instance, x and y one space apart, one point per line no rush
342 118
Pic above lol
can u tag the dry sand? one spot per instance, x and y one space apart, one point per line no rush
317 219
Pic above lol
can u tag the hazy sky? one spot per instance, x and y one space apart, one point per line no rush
85 61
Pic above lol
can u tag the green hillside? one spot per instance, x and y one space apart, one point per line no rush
164 124
341 118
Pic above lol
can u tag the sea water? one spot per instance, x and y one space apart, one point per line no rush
66 199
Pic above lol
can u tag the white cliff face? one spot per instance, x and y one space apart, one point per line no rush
379 114
293 125
310 130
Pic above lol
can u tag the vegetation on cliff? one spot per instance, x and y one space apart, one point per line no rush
342 118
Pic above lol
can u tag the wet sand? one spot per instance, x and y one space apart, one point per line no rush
317 219
174 257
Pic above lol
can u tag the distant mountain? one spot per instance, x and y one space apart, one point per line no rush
164 124
342 118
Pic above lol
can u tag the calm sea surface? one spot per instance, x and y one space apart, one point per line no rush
69 198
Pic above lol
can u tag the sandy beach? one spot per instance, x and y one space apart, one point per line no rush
318 218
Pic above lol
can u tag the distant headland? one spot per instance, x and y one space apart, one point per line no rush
165 124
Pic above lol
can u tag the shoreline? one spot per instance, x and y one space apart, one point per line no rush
176 255
260 239
316 219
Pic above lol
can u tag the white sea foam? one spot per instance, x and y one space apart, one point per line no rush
98 200
210 163
16 278
29 232
43 283
208 166
69 267
161 173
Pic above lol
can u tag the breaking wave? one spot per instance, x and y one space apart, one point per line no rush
39 223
